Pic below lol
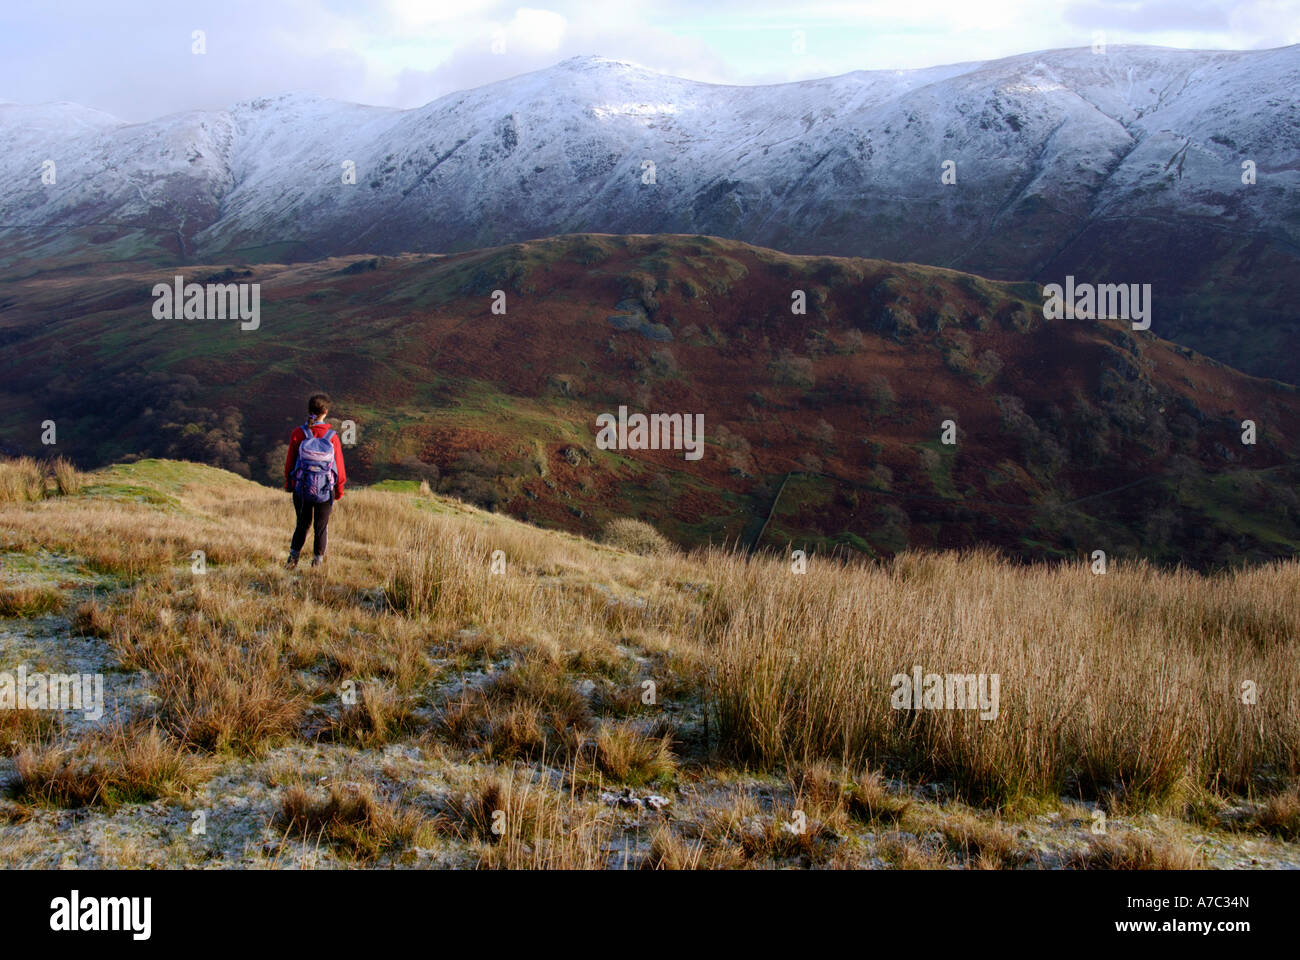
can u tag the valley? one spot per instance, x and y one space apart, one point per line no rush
1070 435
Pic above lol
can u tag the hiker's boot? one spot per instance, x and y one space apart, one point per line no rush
292 561
318 560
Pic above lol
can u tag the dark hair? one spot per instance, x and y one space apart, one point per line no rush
318 405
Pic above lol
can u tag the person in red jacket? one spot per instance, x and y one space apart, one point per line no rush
314 515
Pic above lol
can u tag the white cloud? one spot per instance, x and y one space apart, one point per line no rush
536 30
132 58
417 14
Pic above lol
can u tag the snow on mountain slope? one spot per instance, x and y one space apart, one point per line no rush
1124 163
823 165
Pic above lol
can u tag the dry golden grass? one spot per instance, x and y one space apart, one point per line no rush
29 601
122 764
837 798
522 822
16 812
670 851
22 729
1134 851
626 753
1108 680
222 684
779 838
481 813
530 710
25 480
356 819
904 852
743 833
68 480
987 844
1125 687
91 619
1280 814
379 715
636 536
21 480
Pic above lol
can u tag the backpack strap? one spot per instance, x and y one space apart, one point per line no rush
334 467
306 435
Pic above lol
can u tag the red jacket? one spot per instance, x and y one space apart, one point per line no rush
297 437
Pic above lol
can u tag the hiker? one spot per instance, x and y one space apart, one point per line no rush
313 472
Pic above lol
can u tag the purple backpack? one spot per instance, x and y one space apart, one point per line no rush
315 474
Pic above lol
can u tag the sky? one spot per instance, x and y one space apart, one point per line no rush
136 59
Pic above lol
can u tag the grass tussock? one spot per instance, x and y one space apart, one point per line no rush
788 836
529 711
216 693
837 798
355 819
905 852
15 813
22 480
24 729
29 601
68 480
219 666
26 480
669 850
627 754
380 715
125 764
983 843
636 536
92 619
1133 851
522 822
741 832
218 698
1280 814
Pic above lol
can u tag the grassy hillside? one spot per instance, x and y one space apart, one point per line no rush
1071 436
614 704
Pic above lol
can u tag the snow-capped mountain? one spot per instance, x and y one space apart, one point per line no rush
1125 166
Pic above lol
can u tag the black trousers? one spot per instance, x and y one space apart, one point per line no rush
316 516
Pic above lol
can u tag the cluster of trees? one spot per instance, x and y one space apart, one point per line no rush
476 478
144 413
